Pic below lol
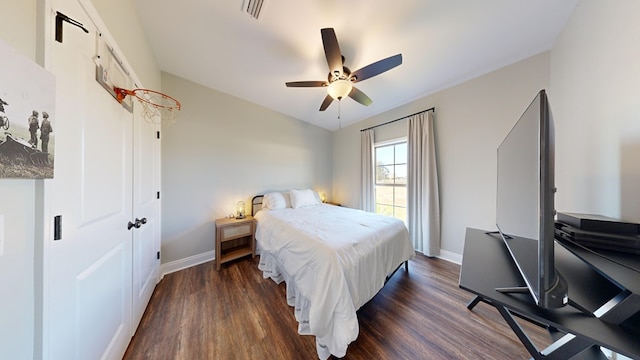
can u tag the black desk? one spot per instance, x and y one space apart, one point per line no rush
487 265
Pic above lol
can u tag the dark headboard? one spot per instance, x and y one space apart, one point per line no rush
256 204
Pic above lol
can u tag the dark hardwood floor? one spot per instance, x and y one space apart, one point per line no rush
201 313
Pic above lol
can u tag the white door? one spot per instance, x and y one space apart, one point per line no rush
88 271
146 208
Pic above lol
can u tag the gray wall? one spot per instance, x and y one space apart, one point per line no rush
222 150
471 119
595 88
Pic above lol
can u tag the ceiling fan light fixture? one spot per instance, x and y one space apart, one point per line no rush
339 89
340 79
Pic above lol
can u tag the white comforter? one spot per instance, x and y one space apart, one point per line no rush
334 260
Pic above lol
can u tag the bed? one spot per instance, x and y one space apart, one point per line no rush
333 260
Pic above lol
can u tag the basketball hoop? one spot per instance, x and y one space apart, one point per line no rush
154 104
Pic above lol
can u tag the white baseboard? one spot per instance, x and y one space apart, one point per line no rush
450 256
190 261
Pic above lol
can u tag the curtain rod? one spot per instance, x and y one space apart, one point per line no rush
398 119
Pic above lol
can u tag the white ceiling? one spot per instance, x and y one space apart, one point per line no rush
442 42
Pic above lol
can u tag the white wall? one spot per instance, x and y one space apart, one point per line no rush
223 149
471 119
595 84
18 208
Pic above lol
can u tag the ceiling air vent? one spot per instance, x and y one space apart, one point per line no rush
253 8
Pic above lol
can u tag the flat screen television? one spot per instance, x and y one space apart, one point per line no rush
525 214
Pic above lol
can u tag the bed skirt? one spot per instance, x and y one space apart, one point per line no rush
272 269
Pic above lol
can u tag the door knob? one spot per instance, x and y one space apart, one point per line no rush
137 224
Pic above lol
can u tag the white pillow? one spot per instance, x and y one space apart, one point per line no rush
276 200
300 198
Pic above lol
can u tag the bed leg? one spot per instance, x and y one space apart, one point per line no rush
406 266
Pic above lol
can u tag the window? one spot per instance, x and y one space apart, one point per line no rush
391 179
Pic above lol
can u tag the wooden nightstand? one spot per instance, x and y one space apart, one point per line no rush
235 238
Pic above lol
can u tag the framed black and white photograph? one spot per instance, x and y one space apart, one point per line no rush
27 117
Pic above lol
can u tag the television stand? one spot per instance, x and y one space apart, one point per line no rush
525 290
529 247
623 304
565 346
487 264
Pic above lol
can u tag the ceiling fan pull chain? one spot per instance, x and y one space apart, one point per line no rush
339 111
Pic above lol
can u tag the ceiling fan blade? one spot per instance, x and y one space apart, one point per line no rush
325 104
360 97
306 83
376 68
332 51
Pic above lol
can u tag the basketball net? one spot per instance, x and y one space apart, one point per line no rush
154 114
157 108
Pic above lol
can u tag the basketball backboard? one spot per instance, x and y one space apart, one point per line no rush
110 72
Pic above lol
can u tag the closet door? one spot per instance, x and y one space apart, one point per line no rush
87 272
146 208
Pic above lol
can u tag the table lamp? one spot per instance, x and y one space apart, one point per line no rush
240 210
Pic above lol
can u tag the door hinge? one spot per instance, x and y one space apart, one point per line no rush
57 227
158 195
158 134
158 255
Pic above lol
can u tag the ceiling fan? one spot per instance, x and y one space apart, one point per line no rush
340 79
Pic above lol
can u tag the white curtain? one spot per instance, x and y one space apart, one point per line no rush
423 202
367 199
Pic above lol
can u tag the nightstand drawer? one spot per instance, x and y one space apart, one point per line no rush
230 232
